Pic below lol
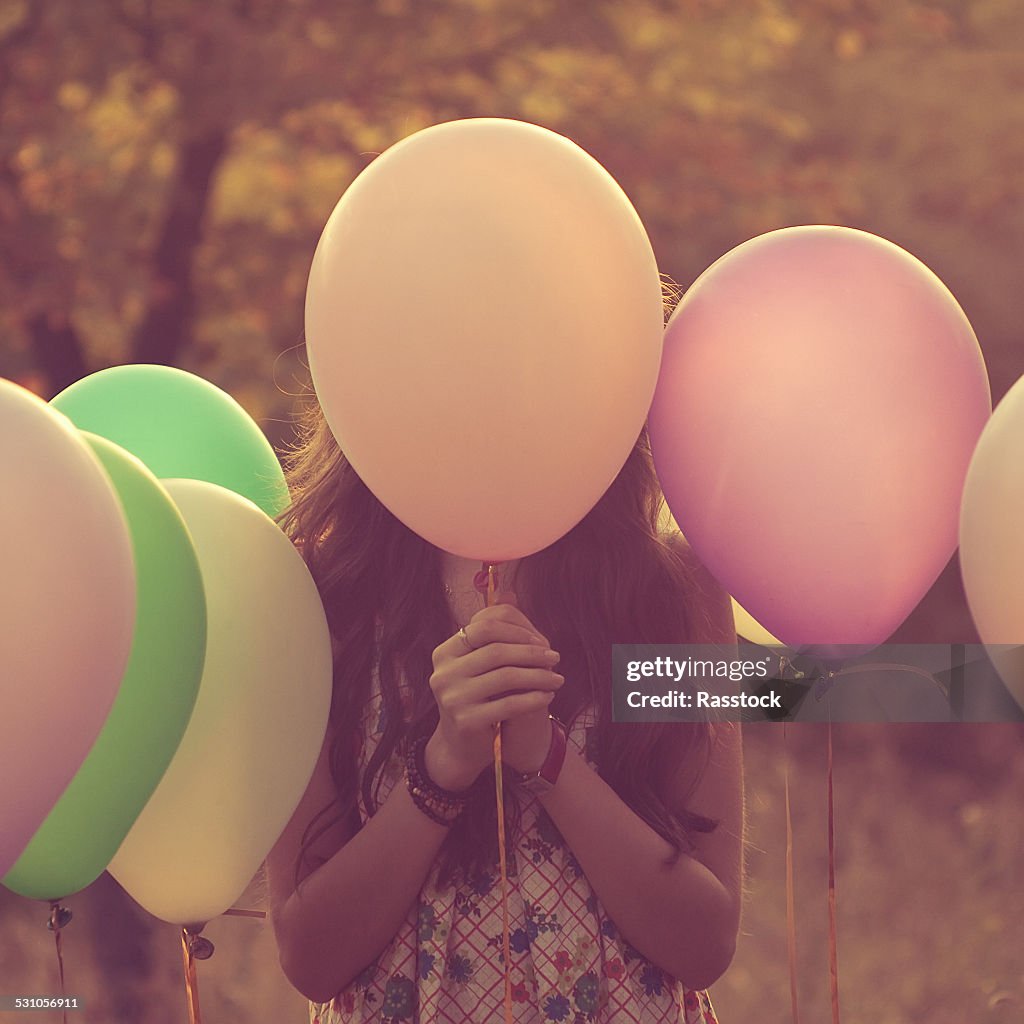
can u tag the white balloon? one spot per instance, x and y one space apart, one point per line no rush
992 538
67 609
258 723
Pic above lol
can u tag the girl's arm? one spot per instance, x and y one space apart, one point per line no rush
348 909
684 918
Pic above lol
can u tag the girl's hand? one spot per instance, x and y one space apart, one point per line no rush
507 677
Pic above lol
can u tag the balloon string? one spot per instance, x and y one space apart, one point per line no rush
884 666
59 943
191 982
499 792
790 900
833 960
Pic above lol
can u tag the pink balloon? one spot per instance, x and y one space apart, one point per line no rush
820 395
67 609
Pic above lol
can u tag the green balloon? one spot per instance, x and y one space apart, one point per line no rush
180 425
82 833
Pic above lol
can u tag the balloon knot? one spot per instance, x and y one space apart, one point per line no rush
59 916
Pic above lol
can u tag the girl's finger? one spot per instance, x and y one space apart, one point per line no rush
507 612
488 631
495 685
498 655
511 706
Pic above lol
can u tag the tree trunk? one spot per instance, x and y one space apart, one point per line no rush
57 351
166 329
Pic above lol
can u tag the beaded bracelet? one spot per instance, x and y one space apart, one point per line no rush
440 805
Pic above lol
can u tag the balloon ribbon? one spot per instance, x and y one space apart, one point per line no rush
833 962
790 902
191 982
57 921
500 796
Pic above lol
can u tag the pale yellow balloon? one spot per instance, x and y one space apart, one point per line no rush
992 538
258 723
666 522
750 629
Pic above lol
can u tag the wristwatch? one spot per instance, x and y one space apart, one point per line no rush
543 780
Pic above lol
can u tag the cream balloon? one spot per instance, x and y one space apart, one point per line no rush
258 722
992 538
484 324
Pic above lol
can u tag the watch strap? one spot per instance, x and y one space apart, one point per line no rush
546 776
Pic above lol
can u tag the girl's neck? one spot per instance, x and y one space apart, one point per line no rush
459 573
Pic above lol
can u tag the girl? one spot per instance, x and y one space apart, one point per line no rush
623 841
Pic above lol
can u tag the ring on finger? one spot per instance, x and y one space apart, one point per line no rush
462 633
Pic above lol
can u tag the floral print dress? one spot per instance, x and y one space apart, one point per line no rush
569 963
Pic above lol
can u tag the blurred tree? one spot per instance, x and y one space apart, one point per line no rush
165 161
166 167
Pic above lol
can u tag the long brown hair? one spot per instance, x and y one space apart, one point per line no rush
611 579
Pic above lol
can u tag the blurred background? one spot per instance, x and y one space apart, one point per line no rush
166 168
